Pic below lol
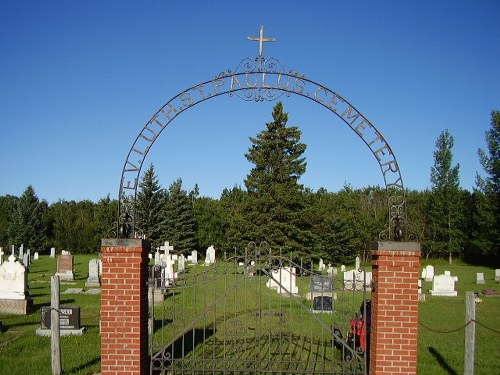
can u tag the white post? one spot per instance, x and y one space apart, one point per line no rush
470 333
55 336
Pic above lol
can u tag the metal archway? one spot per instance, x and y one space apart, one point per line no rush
261 79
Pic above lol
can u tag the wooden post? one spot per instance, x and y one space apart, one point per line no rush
470 333
55 333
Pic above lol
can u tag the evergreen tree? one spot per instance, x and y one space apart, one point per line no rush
104 222
148 206
7 210
489 206
178 226
275 195
445 207
28 225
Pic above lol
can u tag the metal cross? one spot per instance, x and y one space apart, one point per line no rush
261 40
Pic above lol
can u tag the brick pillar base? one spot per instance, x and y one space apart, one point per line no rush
124 306
394 325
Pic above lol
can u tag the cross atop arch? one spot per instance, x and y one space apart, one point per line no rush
261 40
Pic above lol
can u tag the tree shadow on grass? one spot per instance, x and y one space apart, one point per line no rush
442 362
83 366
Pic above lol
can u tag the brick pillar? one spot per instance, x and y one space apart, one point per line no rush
394 325
124 306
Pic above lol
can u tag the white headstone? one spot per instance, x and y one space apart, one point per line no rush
447 273
342 268
1 255
35 255
424 273
64 252
13 280
52 252
357 263
157 256
21 252
210 255
357 280
93 279
12 249
283 280
181 266
166 249
429 273
497 275
321 266
443 285
480 278
194 257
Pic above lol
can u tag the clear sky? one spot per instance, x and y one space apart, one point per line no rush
80 79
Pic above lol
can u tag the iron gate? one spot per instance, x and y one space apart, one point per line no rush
253 313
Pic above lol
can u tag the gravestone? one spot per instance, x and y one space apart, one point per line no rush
193 258
65 264
181 263
14 288
93 279
321 286
35 255
447 273
497 275
342 268
64 252
283 281
1 255
421 294
21 252
321 265
429 273
52 252
357 280
443 285
69 321
322 304
26 260
166 248
157 256
357 263
480 278
210 255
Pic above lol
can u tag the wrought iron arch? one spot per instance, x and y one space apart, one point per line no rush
261 79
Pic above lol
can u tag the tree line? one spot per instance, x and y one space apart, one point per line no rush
273 206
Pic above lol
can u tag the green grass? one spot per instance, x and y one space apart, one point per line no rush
22 352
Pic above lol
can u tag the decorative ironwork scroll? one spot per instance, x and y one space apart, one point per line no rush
264 79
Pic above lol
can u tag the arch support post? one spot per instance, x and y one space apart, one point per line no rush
124 306
394 320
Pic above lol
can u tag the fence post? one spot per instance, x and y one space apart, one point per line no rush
470 333
55 332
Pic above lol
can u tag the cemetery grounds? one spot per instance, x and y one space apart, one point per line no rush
441 329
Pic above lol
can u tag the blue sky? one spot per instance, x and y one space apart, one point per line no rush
80 79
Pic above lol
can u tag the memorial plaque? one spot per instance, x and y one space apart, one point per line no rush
321 283
69 317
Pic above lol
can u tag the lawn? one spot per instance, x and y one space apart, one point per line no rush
441 332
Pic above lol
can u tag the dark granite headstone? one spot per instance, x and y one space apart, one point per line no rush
69 317
323 304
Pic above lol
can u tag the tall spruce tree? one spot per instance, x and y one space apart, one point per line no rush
28 225
490 187
445 203
275 195
178 226
148 206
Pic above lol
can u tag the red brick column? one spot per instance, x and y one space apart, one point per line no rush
124 306
394 325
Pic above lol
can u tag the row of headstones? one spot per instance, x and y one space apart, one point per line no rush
444 285
25 257
356 278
